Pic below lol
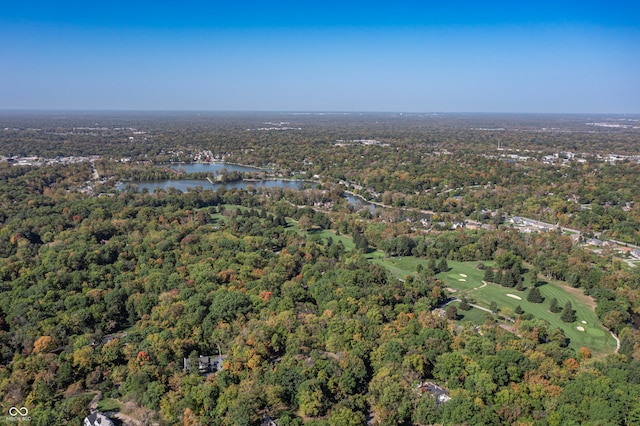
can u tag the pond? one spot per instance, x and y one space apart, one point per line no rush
360 204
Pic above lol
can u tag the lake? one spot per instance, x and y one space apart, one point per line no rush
215 168
187 184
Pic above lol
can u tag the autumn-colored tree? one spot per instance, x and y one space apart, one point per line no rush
44 344
143 357
584 353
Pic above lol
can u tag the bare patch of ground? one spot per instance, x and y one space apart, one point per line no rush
578 293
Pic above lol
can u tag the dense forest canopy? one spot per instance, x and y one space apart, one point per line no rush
320 313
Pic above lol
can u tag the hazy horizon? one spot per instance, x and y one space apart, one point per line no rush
308 112
548 57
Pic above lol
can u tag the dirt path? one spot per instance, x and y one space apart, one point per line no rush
142 415
617 341
126 420
484 284
93 405
482 308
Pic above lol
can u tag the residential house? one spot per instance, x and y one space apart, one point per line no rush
437 392
206 364
97 419
267 421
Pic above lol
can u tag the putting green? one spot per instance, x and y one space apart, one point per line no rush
596 332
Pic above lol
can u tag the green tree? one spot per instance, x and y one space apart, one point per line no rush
553 307
431 265
305 223
443 266
311 400
153 395
534 296
451 312
508 279
345 416
450 368
426 411
488 275
568 314
508 260
361 242
390 398
557 335
464 304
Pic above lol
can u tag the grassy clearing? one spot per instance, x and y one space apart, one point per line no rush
346 240
473 315
108 404
595 336
400 267
219 219
467 279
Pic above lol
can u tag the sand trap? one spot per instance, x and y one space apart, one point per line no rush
450 290
580 328
584 322
463 275
513 296
461 279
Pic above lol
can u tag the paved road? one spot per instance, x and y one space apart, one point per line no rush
575 231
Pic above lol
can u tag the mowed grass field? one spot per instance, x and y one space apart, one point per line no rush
347 240
466 279
473 315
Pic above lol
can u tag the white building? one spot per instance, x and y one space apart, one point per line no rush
97 419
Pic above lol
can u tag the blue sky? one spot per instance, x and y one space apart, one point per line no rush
409 56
